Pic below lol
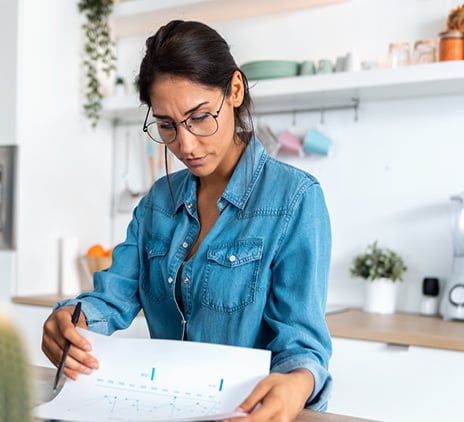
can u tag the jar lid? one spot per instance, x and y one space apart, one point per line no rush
396 44
429 42
430 286
451 34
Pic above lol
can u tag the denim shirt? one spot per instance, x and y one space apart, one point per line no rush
258 279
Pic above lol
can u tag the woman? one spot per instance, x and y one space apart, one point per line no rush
234 249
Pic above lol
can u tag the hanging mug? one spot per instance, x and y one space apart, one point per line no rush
290 143
315 142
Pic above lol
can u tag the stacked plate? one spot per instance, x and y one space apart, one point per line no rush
268 69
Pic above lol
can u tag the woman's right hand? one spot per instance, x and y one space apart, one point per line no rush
56 330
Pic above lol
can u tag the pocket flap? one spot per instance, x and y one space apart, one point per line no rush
157 247
233 254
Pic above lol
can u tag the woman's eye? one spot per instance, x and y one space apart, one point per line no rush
198 118
166 125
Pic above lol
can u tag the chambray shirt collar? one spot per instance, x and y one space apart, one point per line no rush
241 183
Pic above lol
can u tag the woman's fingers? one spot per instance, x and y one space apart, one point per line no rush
58 329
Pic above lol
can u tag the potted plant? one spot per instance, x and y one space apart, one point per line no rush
381 268
99 54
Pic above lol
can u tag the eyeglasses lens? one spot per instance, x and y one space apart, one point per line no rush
199 124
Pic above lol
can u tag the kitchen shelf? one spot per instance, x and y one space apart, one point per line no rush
320 92
142 17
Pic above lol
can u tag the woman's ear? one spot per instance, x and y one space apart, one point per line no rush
237 89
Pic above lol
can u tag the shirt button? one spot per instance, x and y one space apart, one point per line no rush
186 280
185 245
189 205
232 258
170 280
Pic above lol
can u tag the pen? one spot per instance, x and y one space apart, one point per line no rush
59 372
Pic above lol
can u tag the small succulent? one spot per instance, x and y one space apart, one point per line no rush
378 263
456 19
15 391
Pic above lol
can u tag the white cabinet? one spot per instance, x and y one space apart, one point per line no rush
396 383
30 319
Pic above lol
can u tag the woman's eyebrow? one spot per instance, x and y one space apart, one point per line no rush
192 110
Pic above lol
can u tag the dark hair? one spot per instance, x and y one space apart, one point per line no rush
197 52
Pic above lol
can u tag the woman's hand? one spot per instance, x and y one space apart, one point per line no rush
281 397
57 329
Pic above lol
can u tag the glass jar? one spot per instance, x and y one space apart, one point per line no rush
424 51
398 54
451 45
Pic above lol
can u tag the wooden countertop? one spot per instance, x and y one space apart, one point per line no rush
39 300
44 380
399 328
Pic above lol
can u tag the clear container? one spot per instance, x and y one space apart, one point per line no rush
425 51
398 54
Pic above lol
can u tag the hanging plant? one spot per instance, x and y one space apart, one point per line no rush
98 53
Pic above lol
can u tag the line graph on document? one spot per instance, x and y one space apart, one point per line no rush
148 403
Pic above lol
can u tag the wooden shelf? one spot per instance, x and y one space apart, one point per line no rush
143 17
328 91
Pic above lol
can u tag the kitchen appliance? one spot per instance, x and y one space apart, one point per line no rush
452 302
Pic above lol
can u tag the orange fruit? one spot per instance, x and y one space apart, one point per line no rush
109 252
96 250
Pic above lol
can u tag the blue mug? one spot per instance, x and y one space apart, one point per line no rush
316 142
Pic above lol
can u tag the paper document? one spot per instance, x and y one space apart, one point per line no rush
159 380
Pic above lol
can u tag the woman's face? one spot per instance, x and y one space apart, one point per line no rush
174 99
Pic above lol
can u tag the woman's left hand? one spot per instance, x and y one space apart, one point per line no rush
280 397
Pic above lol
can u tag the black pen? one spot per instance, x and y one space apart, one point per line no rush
59 372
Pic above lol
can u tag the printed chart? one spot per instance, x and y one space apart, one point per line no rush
168 380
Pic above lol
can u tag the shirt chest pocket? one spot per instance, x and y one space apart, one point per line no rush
231 278
154 280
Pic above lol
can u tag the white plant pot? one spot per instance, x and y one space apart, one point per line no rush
380 296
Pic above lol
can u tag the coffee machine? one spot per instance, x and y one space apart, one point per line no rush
452 302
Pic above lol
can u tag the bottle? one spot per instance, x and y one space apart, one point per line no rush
430 291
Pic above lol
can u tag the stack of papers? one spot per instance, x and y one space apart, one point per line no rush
159 380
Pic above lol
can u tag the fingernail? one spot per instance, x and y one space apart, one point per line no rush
94 365
87 347
87 371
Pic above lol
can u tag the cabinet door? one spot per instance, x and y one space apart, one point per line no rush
395 383
365 376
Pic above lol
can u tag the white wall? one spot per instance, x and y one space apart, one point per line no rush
394 170
8 47
64 166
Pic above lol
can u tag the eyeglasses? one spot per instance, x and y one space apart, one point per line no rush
199 123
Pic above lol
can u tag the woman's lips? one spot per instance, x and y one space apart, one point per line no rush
195 161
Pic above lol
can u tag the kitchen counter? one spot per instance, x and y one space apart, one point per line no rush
39 300
399 328
43 381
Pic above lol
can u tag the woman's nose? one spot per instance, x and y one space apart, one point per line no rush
187 140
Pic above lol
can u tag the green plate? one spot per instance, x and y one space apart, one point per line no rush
268 69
